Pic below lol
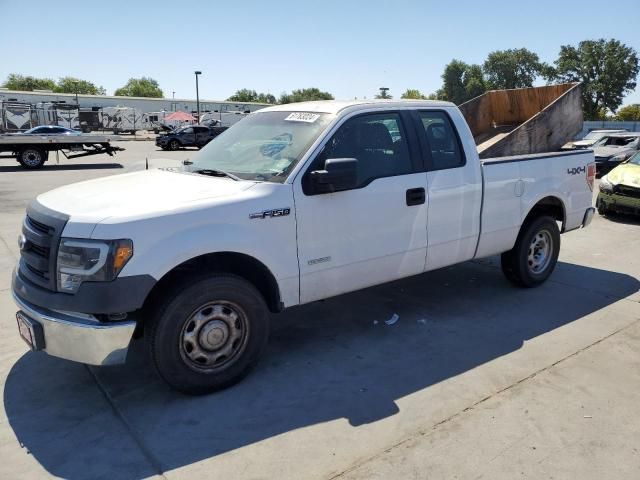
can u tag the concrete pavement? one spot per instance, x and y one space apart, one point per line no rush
477 379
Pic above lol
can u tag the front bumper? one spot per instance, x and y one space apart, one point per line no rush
618 203
78 337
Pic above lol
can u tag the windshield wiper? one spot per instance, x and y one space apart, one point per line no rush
216 173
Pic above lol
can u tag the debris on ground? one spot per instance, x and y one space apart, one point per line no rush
394 318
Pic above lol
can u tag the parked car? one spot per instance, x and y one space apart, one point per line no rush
50 130
591 138
620 189
191 136
294 204
612 150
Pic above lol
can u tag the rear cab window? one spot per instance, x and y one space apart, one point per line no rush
440 140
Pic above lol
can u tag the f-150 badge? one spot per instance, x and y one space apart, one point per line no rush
275 212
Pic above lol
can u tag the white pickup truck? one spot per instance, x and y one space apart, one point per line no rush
294 204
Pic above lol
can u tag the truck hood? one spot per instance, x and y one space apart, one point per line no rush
143 193
583 143
626 174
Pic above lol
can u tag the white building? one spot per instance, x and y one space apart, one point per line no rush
142 104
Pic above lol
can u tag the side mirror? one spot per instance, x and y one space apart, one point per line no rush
338 174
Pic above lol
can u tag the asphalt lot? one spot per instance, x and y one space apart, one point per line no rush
477 379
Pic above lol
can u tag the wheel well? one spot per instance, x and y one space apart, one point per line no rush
551 206
238 264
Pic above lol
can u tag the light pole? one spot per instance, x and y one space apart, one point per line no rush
75 84
173 95
198 72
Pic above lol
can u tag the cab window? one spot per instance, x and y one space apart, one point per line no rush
377 141
442 140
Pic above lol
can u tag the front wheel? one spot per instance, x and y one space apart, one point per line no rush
535 254
208 334
174 145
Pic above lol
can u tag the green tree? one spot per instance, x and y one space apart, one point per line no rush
140 87
514 68
606 68
27 83
461 82
413 94
246 95
630 113
266 98
73 85
305 95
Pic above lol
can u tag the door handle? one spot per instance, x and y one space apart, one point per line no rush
415 196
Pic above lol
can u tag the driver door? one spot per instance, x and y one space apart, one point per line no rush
375 232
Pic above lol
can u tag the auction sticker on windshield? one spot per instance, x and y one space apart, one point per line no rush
302 117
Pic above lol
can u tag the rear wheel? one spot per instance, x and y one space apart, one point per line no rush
209 334
535 254
32 158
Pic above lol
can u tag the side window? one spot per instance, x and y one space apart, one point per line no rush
442 141
187 131
377 141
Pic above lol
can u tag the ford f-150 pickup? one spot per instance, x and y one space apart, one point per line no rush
294 204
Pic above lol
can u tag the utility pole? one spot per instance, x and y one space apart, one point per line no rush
198 72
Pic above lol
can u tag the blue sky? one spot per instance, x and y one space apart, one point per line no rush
349 48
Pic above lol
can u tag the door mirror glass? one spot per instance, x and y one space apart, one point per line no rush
339 174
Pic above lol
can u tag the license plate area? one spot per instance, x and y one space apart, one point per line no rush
30 331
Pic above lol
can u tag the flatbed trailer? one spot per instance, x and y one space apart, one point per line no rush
32 151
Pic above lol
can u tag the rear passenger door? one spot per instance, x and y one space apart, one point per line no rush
454 190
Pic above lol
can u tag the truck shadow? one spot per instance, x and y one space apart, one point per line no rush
326 361
62 166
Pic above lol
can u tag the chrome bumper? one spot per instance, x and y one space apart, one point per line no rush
81 338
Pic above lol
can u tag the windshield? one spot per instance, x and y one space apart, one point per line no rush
593 135
635 160
614 141
264 146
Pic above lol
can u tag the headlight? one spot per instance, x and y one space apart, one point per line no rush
605 185
90 261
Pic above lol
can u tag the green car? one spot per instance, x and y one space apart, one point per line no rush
620 189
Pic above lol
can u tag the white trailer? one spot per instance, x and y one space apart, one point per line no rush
16 116
222 119
124 119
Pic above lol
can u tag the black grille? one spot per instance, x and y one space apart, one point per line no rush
627 191
41 229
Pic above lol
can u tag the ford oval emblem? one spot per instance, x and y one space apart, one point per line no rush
22 242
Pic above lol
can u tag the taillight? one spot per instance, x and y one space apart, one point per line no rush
591 175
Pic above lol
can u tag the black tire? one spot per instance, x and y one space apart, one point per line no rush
195 360
174 145
32 158
529 263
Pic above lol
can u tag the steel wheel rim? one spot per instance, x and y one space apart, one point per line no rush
31 157
540 252
214 336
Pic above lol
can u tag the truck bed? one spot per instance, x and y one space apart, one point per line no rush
513 184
